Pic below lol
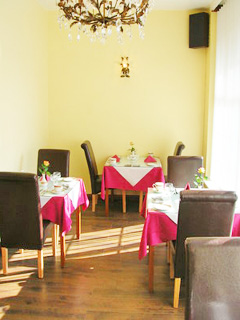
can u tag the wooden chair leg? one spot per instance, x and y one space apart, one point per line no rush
124 200
78 222
168 252
54 239
140 201
171 268
151 268
40 264
63 250
171 263
107 202
4 260
93 202
96 199
112 195
177 285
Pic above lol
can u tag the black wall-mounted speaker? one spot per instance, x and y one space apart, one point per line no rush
199 30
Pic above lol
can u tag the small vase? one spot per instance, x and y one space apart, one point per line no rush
43 177
133 153
200 186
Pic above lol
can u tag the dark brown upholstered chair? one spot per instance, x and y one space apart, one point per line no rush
59 160
202 213
179 148
96 179
212 278
181 170
21 224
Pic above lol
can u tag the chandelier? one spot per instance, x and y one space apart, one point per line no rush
97 18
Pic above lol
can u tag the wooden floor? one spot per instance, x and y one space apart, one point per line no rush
102 278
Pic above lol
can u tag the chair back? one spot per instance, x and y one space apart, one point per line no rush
181 170
212 278
59 160
179 148
92 166
20 214
202 213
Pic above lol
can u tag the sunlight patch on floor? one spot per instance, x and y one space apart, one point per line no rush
91 244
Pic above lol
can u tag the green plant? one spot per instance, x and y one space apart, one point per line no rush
44 167
200 177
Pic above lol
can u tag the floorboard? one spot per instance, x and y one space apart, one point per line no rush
102 278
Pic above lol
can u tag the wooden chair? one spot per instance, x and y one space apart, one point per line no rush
212 278
202 213
177 152
59 160
181 170
179 149
96 179
21 224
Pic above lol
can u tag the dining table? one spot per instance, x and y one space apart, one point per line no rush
127 174
160 226
58 207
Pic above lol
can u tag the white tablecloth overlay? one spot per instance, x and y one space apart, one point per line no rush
72 191
134 173
169 205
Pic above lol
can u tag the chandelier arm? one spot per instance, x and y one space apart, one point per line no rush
98 7
116 4
94 3
125 11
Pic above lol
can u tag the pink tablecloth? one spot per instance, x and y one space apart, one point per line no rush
59 209
159 228
112 179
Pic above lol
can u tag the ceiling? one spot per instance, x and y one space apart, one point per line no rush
159 4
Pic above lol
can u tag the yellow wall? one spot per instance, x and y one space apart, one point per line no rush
23 83
56 93
161 103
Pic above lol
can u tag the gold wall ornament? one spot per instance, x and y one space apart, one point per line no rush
97 18
125 68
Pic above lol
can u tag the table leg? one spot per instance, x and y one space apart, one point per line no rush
151 268
107 202
124 201
140 201
54 239
78 221
63 250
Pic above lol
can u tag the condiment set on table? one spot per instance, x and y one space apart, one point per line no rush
163 197
161 187
56 184
133 160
